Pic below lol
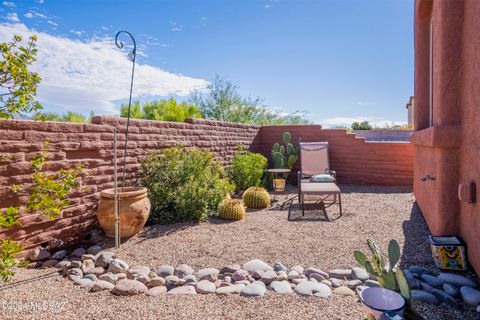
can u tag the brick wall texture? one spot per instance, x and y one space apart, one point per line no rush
356 161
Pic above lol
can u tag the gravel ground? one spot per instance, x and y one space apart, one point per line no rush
379 213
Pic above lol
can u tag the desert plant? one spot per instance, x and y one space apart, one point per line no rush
256 198
47 195
231 209
284 156
183 184
364 125
8 259
247 169
389 275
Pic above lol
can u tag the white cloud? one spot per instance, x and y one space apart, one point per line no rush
93 75
12 17
52 23
337 122
175 27
39 1
78 33
9 4
33 14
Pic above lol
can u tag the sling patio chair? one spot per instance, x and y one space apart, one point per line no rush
315 177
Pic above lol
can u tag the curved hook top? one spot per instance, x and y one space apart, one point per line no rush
119 44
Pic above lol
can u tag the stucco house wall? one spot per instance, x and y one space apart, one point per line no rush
447 143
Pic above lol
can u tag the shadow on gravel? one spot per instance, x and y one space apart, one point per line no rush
350 188
416 248
30 280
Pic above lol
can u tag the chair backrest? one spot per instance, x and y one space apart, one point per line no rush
314 158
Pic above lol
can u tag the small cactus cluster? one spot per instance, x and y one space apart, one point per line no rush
389 275
256 198
231 209
284 156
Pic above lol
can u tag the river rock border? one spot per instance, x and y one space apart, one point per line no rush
96 270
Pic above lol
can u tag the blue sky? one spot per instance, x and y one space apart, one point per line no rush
338 60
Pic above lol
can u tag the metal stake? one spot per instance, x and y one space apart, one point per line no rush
117 214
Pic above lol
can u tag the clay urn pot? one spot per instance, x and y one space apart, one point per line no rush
134 209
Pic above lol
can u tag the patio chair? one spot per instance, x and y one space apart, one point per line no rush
314 161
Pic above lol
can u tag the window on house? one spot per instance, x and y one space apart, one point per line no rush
430 84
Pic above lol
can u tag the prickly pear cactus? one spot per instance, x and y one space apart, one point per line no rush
389 276
284 156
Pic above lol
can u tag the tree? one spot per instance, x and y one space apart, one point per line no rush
18 85
223 102
364 125
135 110
66 117
162 110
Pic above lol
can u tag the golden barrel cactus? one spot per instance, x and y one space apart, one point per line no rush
256 198
231 209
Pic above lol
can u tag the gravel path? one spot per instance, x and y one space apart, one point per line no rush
379 213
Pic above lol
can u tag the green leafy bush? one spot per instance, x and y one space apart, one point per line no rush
8 259
247 169
364 125
183 184
48 195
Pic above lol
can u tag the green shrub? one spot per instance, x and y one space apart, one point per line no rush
247 169
364 125
183 184
8 259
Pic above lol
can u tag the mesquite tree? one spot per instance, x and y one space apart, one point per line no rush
18 85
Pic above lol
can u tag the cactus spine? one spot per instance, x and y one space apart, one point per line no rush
256 198
284 156
389 276
231 209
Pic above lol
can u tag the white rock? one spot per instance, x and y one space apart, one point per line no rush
183 270
117 266
102 285
210 274
156 291
128 287
256 264
281 287
183 290
205 286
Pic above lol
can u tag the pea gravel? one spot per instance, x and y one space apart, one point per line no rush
379 213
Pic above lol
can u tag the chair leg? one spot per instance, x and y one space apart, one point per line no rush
340 203
303 205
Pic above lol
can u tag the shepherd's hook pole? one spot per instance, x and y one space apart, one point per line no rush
132 55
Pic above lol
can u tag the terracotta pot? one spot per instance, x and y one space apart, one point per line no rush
134 208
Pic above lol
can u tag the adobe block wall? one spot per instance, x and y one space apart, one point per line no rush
70 144
92 145
355 160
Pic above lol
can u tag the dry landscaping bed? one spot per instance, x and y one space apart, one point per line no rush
379 213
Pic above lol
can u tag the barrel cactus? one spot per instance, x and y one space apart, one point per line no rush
389 275
231 209
256 198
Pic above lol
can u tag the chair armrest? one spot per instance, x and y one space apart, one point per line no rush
333 173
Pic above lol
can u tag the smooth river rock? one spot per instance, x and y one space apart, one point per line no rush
256 289
470 295
255 265
128 287
281 287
